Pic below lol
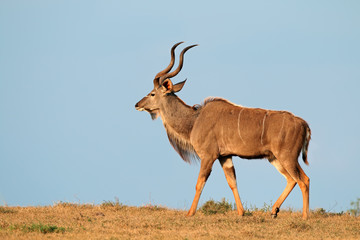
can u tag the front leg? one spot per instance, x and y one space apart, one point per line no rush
205 170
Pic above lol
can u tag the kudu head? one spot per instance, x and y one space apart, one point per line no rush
163 86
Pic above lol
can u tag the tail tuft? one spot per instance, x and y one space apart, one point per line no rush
306 145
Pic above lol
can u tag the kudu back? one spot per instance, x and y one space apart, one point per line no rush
219 129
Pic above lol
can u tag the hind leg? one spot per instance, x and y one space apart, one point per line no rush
297 173
304 184
229 170
289 187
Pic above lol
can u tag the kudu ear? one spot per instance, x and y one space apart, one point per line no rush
168 85
177 87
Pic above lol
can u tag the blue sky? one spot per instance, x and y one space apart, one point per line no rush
72 71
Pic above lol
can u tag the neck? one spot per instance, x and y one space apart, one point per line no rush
178 118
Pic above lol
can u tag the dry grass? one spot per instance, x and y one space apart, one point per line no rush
114 221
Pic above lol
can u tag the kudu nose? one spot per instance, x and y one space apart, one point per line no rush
137 107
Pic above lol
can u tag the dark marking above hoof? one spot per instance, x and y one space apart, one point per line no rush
274 215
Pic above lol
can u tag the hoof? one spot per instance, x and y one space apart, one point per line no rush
274 215
190 214
241 214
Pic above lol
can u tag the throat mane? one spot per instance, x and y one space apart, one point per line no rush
181 145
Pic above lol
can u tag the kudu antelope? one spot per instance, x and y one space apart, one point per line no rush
219 129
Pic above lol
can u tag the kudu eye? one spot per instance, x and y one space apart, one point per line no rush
152 94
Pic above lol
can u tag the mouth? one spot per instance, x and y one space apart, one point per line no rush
140 108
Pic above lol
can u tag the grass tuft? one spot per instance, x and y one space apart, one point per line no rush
153 207
320 211
38 227
211 207
300 226
113 204
355 210
6 210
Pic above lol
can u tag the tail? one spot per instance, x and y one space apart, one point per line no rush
306 144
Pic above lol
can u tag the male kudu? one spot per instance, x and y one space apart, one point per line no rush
219 129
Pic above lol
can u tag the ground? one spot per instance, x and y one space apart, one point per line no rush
115 221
